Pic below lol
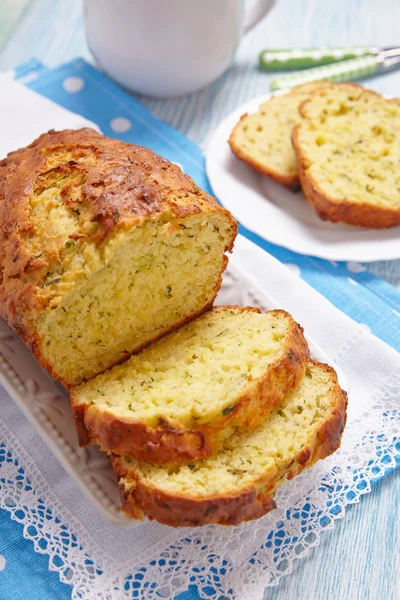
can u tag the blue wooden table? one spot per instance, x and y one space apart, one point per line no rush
360 558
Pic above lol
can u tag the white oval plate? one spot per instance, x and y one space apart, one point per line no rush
45 403
283 217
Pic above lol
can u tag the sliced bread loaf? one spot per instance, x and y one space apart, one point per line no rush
104 247
239 482
264 139
176 399
348 147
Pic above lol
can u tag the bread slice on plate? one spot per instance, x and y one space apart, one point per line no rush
348 148
178 398
264 139
239 482
104 247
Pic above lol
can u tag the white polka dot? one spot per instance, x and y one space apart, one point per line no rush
178 165
3 562
350 280
365 327
73 84
120 124
294 268
355 267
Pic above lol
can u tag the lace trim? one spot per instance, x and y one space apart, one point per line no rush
211 557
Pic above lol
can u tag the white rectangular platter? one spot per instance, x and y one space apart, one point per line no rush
45 403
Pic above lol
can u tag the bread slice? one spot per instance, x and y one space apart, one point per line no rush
176 399
264 139
104 247
348 147
239 482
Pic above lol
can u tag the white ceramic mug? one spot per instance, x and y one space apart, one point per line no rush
168 48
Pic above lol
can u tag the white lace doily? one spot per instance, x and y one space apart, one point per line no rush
102 562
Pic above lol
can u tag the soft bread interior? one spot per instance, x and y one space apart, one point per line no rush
350 145
264 137
141 283
265 454
196 374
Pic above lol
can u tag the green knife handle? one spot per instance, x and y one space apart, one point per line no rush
282 60
347 70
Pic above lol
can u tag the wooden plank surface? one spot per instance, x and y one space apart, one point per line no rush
359 558
10 12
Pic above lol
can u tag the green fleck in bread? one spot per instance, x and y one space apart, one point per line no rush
239 482
104 246
264 139
178 398
348 147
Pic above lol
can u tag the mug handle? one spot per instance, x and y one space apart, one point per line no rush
256 12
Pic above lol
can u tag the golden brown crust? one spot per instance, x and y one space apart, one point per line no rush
289 181
170 441
111 186
140 501
337 210
250 502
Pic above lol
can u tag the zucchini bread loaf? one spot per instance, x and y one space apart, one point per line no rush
104 247
239 482
348 148
264 139
177 399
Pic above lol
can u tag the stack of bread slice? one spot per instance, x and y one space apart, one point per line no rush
238 483
110 261
340 142
175 400
264 139
204 425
